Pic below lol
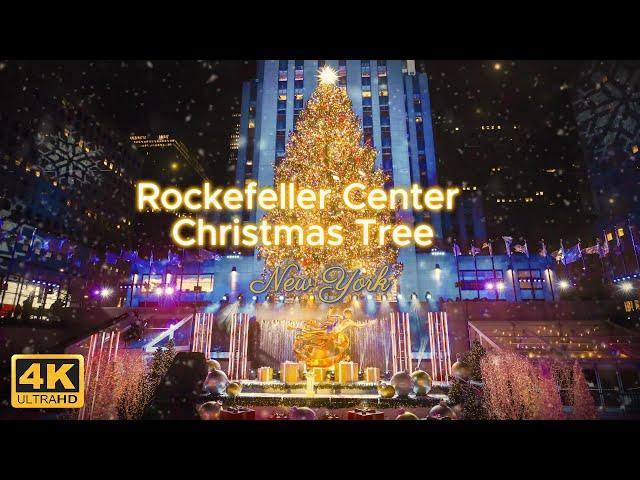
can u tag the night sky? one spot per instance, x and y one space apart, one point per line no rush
194 100
190 100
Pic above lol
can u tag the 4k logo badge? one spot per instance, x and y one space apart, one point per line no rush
47 381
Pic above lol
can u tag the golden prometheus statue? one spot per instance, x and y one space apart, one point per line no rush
323 343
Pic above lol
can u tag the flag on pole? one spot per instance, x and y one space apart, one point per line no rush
573 254
204 254
594 249
474 251
456 249
543 250
521 249
619 245
111 258
605 246
173 259
130 256
489 246
507 244
633 240
559 255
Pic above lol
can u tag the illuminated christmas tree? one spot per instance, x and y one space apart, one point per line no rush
327 152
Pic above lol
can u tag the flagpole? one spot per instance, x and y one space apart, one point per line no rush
493 270
633 244
548 269
456 253
604 273
564 261
621 249
609 258
181 278
553 296
533 289
475 267
507 246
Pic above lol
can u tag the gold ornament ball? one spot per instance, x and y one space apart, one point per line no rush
407 416
385 390
421 382
403 383
441 412
461 370
233 389
216 382
213 365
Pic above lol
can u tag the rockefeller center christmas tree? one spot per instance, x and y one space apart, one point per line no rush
327 152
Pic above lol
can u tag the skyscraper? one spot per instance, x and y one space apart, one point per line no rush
607 107
394 106
390 99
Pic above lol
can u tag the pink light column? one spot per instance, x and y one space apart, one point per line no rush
238 346
439 344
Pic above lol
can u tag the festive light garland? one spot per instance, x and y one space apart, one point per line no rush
326 151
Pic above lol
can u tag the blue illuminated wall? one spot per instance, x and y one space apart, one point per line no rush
436 277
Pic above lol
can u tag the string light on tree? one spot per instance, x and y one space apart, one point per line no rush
326 151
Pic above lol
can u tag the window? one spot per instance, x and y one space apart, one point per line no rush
530 279
342 73
485 279
280 143
151 282
367 135
188 283
386 137
367 119
387 161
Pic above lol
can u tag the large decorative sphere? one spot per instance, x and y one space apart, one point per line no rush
233 389
421 382
216 382
302 413
407 416
441 412
210 411
403 383
461 370
213 365
385 390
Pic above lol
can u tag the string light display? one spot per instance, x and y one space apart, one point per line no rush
326 151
